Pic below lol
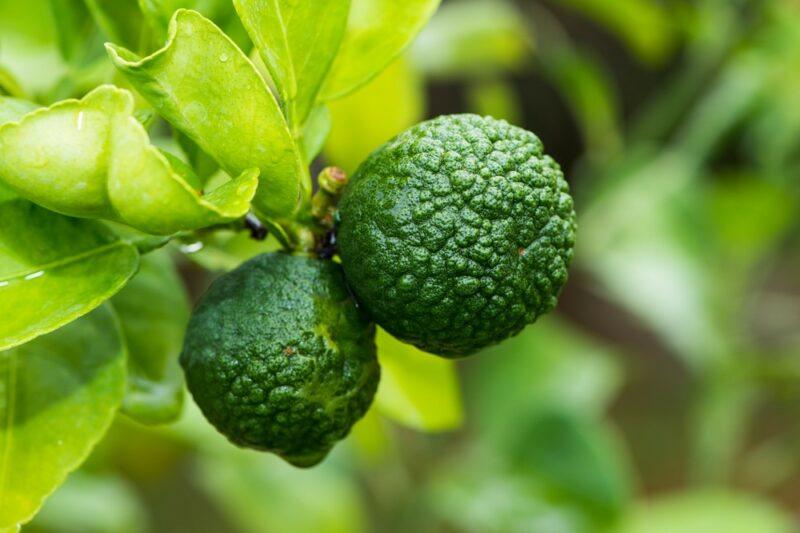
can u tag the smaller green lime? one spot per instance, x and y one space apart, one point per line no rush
279 358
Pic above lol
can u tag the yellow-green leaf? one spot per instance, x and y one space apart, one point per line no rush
298 42
377 31
92 158
417 389
396 96
58 395
54 269
207 88
154 310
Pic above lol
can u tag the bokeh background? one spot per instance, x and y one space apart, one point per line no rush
662 396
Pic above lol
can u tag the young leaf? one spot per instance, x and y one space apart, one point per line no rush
417 389
316 131
92 158
154 310
206 87
298 42
9 84
120 20
74 30
58 395
54 269
396 96
377 31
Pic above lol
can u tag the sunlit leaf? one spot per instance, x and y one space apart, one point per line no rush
9 85
154 310
298 42
206 87
706 511
58 396
418 390
396 96
54 269
92 158
377 31
93 503
316 132
479 38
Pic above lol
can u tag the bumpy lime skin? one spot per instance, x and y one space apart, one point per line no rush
279 358
457 233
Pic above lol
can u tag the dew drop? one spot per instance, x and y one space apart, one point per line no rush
223 57
192 248
34 275
81 117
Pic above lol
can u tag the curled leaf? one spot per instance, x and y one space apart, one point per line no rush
91 158
203 84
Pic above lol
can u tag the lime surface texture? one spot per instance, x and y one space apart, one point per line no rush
279 358
457 233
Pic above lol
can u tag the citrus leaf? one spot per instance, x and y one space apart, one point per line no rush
54 269
706 510
377 31
298 42
9 84
12 109
207 88
120 20
481 38
417 389
154 310
58 396
396 96
92 158
93 503
316 131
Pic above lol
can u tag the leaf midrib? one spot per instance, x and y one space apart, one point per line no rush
65 260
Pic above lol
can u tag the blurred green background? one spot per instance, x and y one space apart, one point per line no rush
662 396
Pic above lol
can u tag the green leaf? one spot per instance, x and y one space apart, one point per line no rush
396 96
93 503
316 132
709 511
54 269
58 396
240 483
120 20
377 32
154 310
74 29
480 38
298 42
92 158
9 85
417 389
207 88
577 460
